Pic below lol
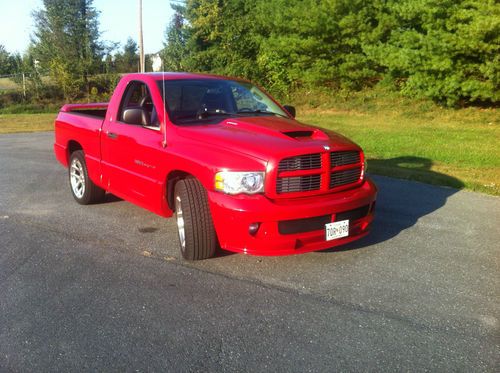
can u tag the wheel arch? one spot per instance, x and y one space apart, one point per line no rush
91 193
72 146
172 178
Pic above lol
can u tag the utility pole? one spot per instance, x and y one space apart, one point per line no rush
24 85
141 41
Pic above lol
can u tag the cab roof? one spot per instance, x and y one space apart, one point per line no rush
181 75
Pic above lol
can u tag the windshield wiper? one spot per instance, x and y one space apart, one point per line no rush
206 114
220 113
265 112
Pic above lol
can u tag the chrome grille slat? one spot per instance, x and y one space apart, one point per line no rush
301 162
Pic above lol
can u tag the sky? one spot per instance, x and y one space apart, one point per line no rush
118 21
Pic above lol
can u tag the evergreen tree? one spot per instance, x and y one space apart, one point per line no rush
175 52
448 50
128 60
8 62
66 41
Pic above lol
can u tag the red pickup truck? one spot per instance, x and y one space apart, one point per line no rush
234 166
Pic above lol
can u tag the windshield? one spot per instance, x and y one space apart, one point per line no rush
193 101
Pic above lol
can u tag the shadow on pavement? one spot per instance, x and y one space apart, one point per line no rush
109 198
413 168
400 204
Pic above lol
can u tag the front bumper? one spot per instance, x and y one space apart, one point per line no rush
233 215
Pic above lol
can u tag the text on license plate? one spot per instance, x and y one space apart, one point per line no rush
337 229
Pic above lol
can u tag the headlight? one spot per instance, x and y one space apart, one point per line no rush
239 182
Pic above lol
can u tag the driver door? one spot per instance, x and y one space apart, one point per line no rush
132 150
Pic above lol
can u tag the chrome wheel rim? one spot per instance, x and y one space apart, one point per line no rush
77 178
180 222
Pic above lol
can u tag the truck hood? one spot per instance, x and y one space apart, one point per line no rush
266 137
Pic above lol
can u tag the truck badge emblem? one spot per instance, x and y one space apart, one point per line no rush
326 147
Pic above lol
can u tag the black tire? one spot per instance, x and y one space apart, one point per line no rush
193 214
88 192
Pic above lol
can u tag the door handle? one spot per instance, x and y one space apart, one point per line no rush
112 135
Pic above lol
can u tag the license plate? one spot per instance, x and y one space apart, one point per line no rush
337 229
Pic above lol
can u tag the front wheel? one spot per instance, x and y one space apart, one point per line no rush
83 189
197 236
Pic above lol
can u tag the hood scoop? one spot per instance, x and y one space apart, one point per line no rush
298 134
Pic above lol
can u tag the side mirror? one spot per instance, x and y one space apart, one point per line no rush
138 116
290 109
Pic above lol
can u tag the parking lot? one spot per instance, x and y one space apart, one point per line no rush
103 287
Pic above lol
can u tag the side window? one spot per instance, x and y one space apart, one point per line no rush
137 106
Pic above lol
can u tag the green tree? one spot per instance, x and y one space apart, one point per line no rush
8 62
29 66
66 41
212 35
282 43
128 60
311 42
224 36
448 50
175 52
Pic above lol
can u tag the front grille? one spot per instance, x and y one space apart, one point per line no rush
301 162
355 214
298 184
303 173
344 158
344 177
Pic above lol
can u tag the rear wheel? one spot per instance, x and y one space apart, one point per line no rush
197 236
83 189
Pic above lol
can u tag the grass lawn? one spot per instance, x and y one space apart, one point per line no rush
8 84
458 148
11 123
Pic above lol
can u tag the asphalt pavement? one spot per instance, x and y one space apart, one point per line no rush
103 287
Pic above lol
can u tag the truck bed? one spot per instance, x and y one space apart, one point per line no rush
93 109
83 122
